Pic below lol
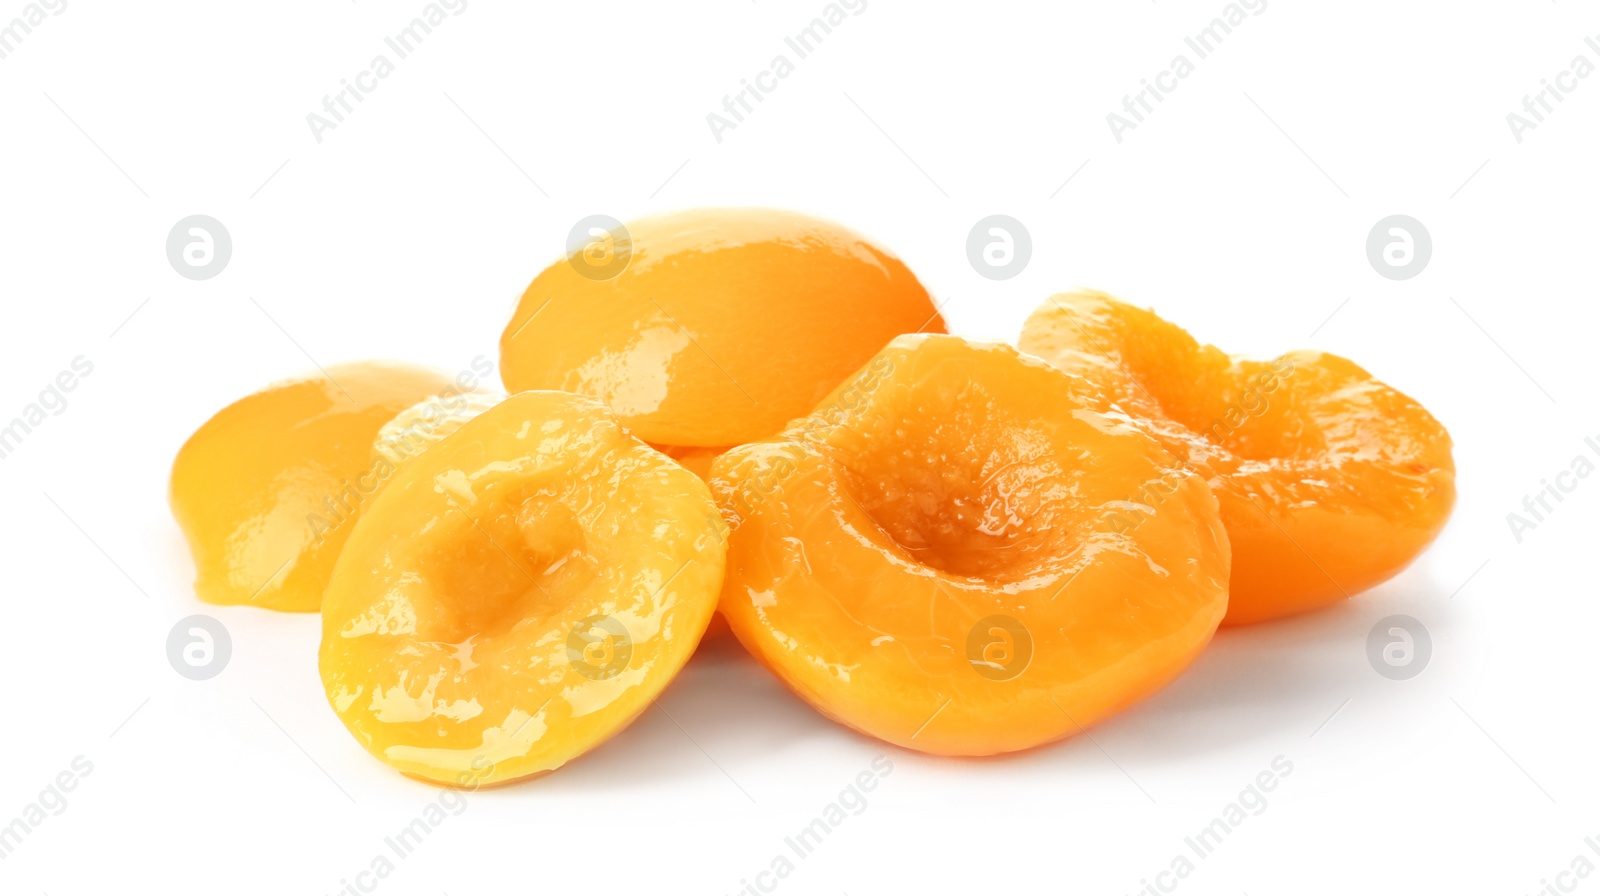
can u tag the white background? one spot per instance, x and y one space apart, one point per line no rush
1240 208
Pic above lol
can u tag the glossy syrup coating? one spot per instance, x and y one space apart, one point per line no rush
960 554
267 491
426 423
518 593
725 324
696 460
1329 481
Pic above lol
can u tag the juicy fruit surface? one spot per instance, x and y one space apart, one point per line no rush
726 324
960 554
518 593
1329 481
267 491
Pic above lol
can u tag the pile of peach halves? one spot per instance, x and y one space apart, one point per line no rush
959 547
